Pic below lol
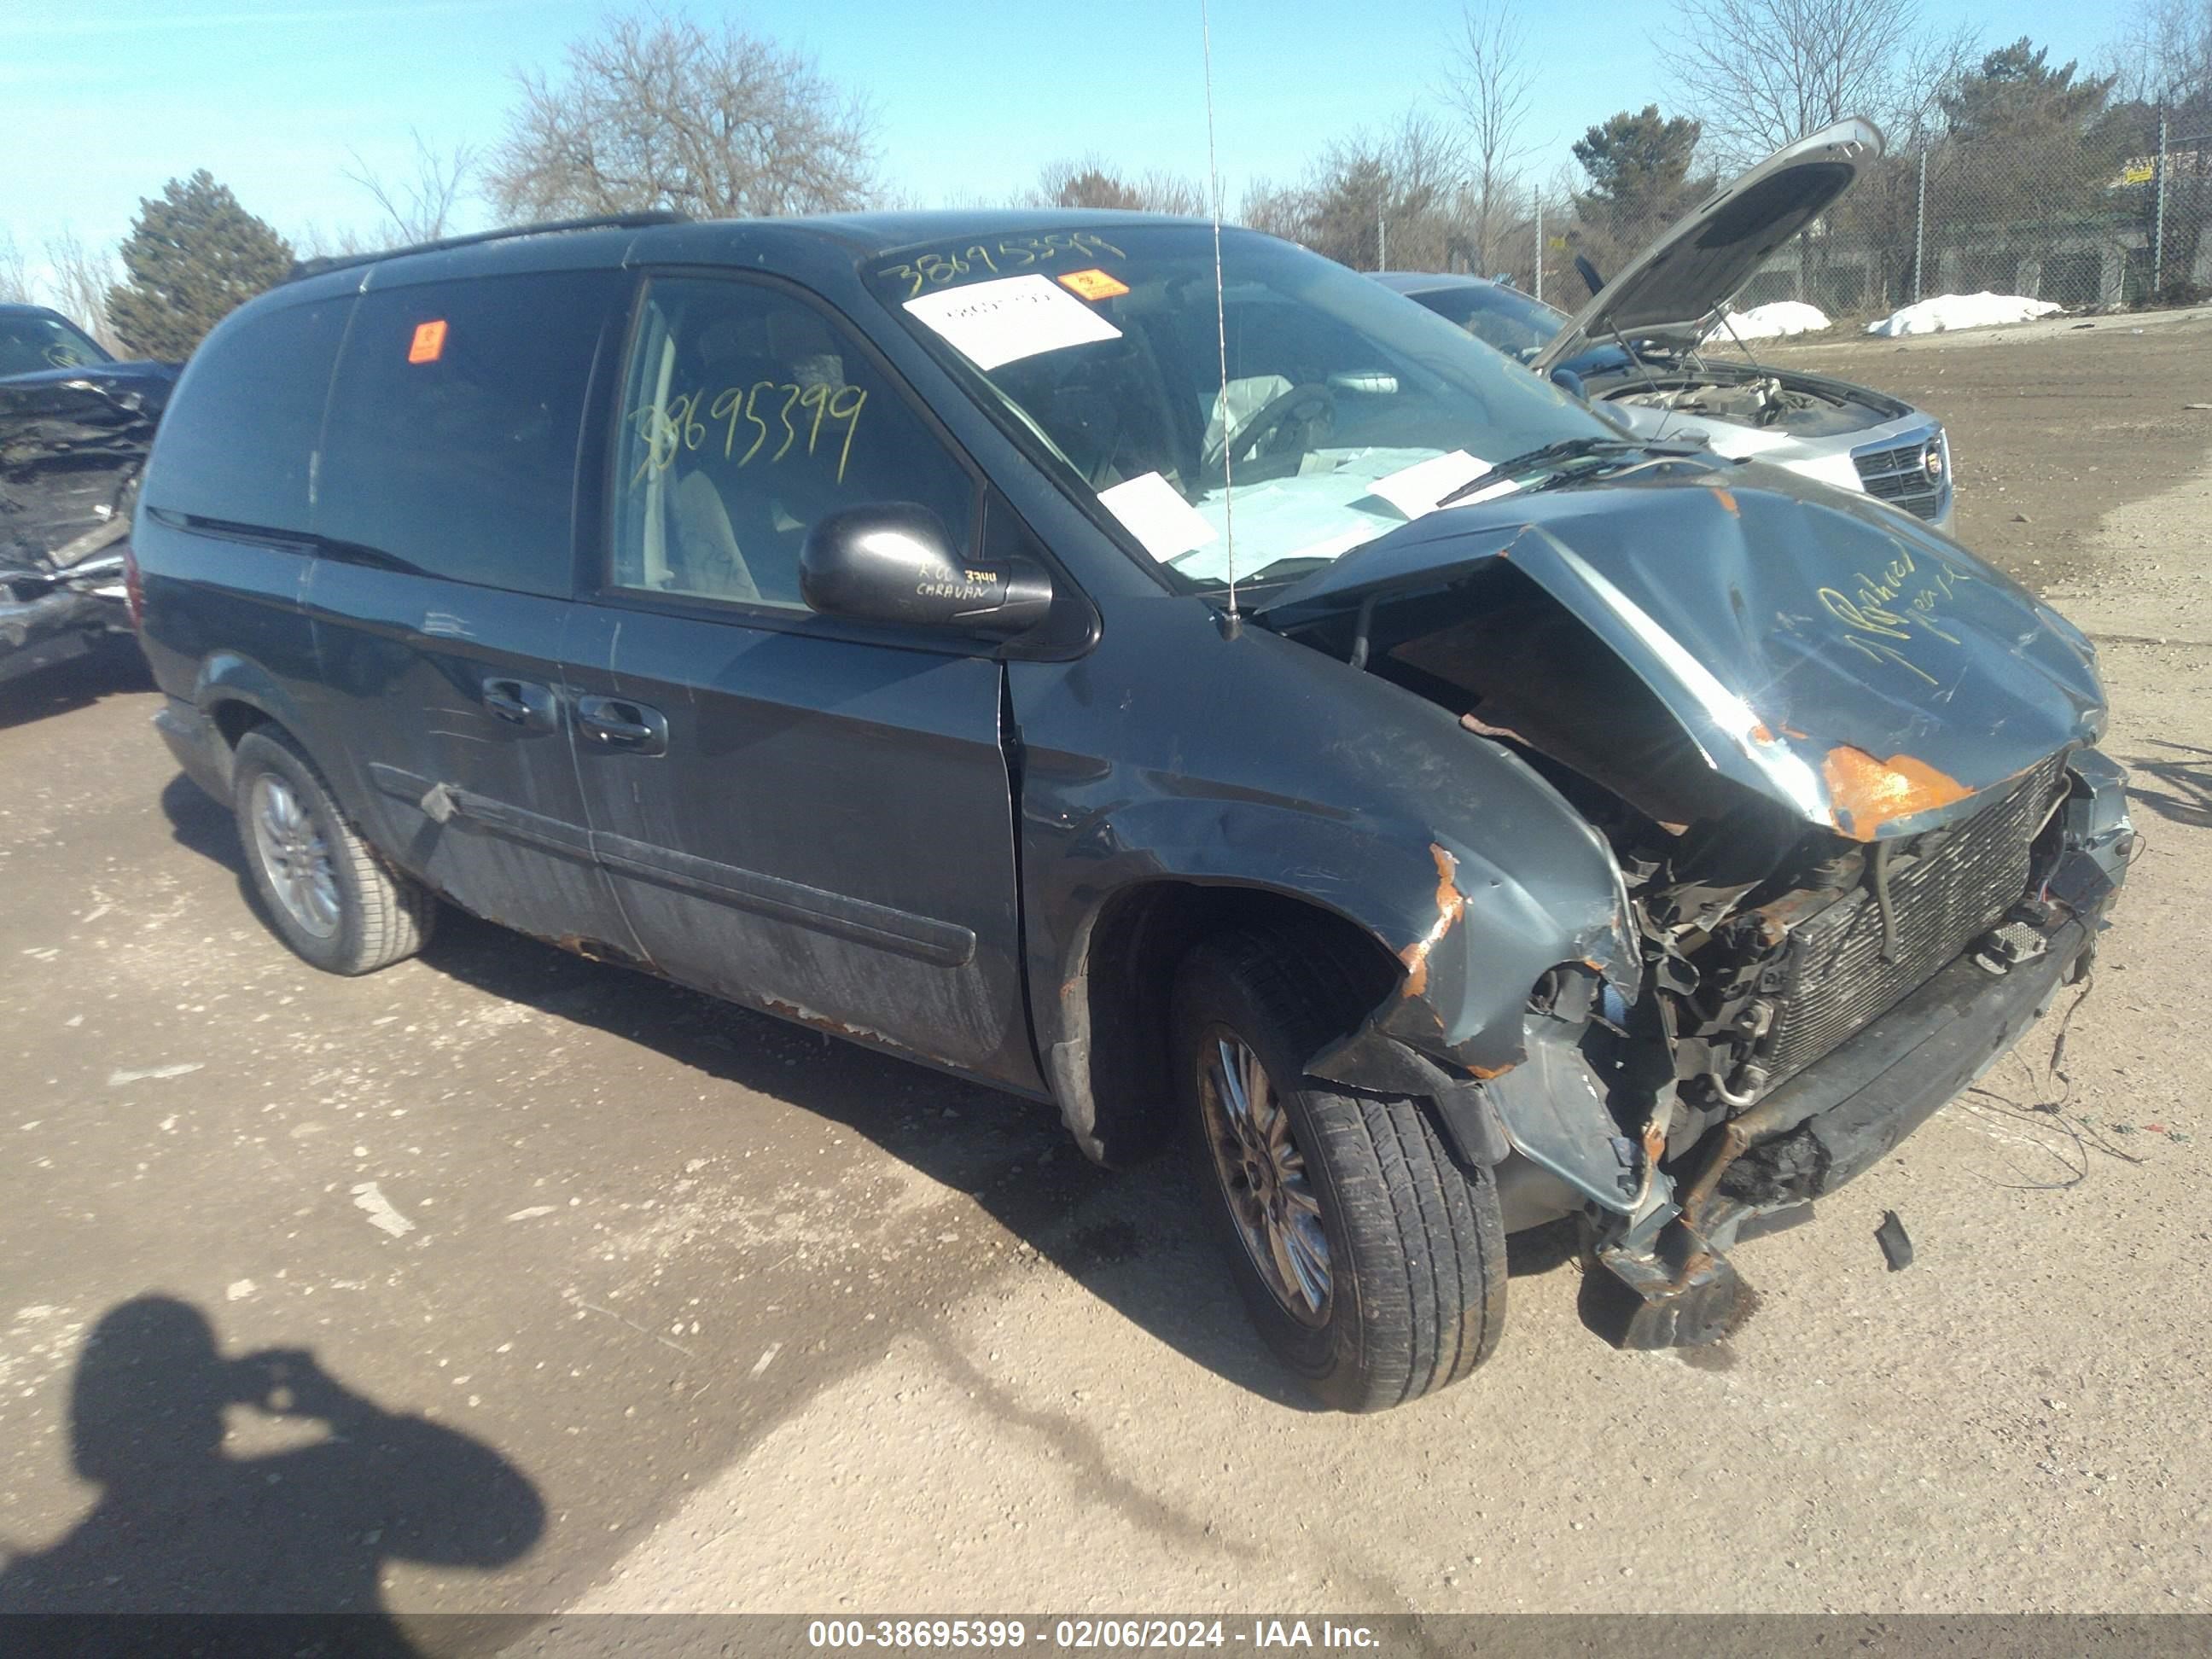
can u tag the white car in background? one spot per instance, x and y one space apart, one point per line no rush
1639 348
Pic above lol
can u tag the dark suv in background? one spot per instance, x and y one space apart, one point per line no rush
1338 746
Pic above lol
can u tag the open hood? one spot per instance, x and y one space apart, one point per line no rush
1660 633
1706 258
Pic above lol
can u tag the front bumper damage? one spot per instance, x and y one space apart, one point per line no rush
1661 1220
72 445
44 620
1669 1281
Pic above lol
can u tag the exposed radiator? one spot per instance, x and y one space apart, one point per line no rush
1952 886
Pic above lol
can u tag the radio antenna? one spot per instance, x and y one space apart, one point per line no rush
1220 324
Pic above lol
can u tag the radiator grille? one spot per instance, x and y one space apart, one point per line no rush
1959 884
1899 476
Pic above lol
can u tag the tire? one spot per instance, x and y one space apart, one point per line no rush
327 893
1415 1243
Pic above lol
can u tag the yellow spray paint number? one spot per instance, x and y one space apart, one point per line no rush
737 413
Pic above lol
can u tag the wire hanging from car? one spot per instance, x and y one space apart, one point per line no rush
1220 328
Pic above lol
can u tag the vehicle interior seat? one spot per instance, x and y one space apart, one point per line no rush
714 522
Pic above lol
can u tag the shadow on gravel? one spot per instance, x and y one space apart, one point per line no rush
180 1527
113 666
2187 776
1137 1240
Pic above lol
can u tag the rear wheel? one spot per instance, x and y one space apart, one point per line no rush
1372 1264
331 896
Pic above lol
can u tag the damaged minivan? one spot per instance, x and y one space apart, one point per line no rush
1221 700
75 428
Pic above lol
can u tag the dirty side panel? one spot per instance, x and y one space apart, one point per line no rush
484 808
828 834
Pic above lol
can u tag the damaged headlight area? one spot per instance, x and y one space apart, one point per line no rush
1849 884
72 444
1809 1001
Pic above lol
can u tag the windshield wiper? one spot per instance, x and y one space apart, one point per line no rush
1566 449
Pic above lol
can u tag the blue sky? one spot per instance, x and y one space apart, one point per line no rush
104 99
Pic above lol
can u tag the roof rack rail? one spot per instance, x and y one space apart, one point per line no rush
598 221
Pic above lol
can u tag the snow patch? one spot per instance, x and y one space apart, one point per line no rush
1949 311
1772 321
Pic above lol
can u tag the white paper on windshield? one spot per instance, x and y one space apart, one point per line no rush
1416 489
1164 524
1343 542
1015 317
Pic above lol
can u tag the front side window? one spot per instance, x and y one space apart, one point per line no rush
1344 411
747 416
31 343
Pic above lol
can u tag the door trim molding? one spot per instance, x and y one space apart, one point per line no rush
945 944
516 822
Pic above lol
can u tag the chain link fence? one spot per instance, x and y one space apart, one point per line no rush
2083 228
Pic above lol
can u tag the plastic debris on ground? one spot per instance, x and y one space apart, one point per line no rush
1896 1243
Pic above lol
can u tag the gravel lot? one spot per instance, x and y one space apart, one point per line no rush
619 1299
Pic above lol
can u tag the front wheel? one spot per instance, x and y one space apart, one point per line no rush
1372 1264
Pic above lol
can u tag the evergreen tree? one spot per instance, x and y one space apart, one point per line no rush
193 257
2017 95
2030 145
1639 164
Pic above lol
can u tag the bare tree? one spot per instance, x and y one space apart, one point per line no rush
1488 81
14 272
1396 195
1760 73
1090 182
313 241
656 111
2163 53
83 274
1277 210
1929 65
420 207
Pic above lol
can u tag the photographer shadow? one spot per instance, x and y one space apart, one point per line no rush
183 1527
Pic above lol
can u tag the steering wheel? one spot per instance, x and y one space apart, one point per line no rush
1311 405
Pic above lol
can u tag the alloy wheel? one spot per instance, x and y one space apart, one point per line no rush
1262 1172
294 855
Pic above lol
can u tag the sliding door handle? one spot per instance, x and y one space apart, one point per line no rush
619 723
519 702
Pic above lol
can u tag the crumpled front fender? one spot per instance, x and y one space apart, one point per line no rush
1455 1029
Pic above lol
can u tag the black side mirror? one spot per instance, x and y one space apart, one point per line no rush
1588 272
892 562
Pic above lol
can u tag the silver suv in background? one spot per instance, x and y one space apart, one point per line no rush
1638 349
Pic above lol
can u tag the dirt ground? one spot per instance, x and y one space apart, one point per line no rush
503 1280
2051 423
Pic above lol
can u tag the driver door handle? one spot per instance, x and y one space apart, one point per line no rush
619 723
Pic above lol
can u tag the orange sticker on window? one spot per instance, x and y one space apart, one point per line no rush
1093 284
429 341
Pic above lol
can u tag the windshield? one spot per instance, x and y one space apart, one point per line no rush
1501 317
1346 412
31 343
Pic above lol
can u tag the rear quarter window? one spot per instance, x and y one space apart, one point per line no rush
452 443
237 443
